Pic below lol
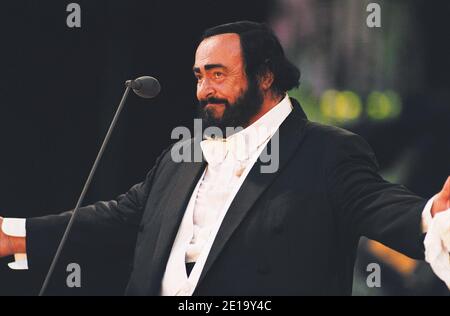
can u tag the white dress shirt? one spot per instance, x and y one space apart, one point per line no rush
229 163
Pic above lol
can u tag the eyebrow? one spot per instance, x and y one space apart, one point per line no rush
209 67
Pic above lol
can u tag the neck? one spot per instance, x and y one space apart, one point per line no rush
270 101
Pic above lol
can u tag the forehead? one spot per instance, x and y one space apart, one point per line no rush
219 49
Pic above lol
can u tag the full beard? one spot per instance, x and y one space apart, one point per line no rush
235 116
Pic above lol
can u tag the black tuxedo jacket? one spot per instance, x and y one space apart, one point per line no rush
293 232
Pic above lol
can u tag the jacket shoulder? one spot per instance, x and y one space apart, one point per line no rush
337 143
331 135
328 132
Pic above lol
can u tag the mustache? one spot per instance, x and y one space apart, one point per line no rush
213 100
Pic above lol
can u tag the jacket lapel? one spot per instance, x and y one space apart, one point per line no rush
290 136
186 179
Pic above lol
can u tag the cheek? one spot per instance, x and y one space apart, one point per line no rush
234 90
238 92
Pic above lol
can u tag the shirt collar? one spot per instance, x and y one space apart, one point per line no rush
245 142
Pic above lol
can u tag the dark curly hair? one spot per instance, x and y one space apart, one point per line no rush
262 52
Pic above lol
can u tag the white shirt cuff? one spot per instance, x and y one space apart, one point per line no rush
16 227
437 242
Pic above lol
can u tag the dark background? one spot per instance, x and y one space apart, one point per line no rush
59 88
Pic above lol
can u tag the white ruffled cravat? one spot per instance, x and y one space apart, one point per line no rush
241 146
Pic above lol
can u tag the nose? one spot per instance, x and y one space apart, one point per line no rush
205 89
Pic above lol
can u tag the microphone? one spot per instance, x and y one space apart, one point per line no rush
146 87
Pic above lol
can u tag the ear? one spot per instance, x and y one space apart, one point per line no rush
266 81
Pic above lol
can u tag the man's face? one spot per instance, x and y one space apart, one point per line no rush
226 97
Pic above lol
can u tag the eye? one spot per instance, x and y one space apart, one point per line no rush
218 75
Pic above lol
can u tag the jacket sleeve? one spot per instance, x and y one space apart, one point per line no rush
366 204
112 225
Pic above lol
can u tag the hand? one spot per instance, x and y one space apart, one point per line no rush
10 245
442 200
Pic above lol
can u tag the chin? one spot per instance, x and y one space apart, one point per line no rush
214 113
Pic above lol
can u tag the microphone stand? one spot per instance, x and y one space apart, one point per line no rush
85 188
